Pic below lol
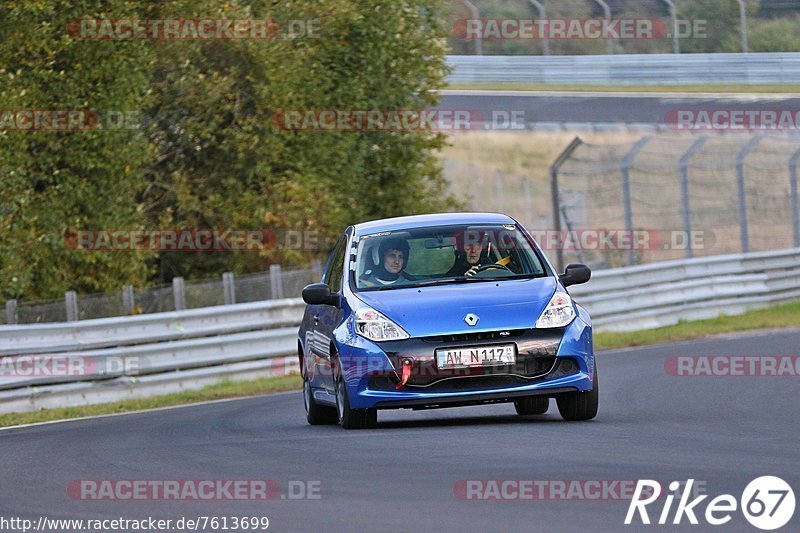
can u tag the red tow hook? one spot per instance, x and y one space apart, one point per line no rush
406 374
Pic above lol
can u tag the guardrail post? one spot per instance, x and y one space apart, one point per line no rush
556 197
71 302
627 161
179 293
740 159
127 299
228 288
793 188
686 207
11 312
276 281
543 15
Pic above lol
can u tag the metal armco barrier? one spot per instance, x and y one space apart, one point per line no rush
628 69
189 349
662 294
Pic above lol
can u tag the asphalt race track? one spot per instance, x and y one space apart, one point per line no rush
721 431
650 109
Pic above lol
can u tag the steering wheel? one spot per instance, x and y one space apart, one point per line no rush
489 266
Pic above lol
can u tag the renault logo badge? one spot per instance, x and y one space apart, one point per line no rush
471 319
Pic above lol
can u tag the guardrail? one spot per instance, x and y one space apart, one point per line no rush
628 69
189 349
662 294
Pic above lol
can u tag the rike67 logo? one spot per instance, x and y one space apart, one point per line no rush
767 503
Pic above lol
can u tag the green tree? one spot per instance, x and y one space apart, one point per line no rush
55 181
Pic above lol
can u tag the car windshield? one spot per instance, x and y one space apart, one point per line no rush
444 255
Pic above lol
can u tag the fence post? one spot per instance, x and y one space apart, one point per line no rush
276 281
526 192
687 214
556 198
627 161
793 188
743 17
11 312
228 288
71 301
179 293
498 191
740 159
127 299
475 15
607 16
673 14
316 269
543 15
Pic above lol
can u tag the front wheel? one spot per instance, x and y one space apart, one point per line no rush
352 418
535 405
580 405
316 414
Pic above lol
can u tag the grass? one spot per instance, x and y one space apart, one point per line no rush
782 316
707 88
476 162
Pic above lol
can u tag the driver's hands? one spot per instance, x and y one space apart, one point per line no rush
472 271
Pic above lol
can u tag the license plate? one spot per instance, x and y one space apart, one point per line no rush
500 354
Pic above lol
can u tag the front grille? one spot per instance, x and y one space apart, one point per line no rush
557 368
477 336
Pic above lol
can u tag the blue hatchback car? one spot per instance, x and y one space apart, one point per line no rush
443 310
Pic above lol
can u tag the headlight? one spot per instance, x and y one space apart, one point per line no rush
376 327
558 313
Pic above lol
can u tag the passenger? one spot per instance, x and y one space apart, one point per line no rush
393 255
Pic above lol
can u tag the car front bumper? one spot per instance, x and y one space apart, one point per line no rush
550 362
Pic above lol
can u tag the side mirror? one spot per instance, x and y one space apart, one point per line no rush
575 275
320 294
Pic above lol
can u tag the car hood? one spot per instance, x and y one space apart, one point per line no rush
440 310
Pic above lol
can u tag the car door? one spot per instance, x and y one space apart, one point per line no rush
324 319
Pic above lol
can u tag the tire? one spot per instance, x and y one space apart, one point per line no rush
316 414
352 418
576 406
534 405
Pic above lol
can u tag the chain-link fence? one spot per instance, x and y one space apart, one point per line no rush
228 289
668 197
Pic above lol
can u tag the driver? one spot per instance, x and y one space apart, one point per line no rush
469 255
393 255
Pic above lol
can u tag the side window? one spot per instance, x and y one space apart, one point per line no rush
333 276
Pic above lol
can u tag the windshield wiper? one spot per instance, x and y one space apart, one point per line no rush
440 281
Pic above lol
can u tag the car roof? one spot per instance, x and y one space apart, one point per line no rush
438 219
